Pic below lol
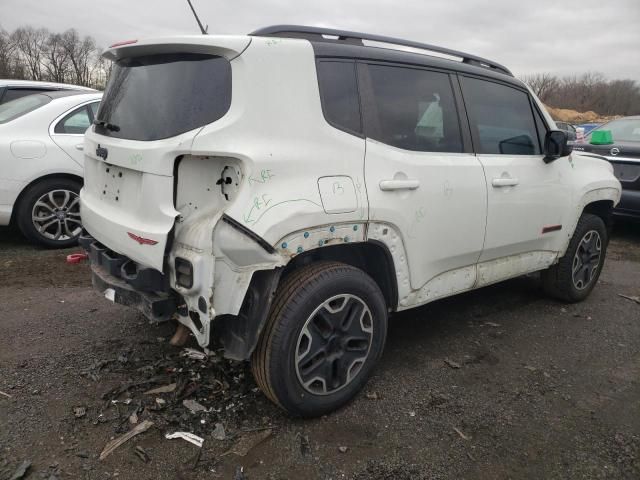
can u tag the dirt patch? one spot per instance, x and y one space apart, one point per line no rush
538 389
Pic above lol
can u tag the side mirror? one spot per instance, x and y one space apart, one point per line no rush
556 145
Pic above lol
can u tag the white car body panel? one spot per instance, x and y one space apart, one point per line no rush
297 183
29 150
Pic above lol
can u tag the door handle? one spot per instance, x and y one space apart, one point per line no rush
387 185
504 182
80 147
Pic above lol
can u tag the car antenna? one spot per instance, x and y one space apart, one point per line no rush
202 29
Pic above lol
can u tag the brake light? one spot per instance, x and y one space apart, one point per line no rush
125 42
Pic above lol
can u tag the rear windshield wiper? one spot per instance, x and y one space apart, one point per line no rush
107 125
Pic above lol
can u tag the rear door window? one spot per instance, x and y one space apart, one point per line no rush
501 118
339 94
160 96
411 108
76 122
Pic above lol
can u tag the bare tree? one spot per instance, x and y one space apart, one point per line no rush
7 49
81 54
543 84
30 44
56 59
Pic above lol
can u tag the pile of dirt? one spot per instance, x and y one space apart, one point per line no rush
575 117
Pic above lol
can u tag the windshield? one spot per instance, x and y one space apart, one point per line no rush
160 96
21 106
622 130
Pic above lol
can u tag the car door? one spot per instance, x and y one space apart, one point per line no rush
68 130
528 201
422 177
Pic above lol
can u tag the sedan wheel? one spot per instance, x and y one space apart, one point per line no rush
56 215
49 213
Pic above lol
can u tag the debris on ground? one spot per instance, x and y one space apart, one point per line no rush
194 354
218 432
629 297
343 449
194 407
142 454
163 389
21 471
451 363
79 412
181 336
372 395
5 394
239 475
305 447
531 368
115 443
248 442
189 437
462 435
492 324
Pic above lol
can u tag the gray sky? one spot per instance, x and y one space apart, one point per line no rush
528 36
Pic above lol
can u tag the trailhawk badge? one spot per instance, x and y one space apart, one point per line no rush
141 240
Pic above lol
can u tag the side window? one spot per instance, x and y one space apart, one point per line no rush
339 94
501 118
13 93
75 122
411 109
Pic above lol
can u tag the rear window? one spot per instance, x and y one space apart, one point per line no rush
161 96
17 108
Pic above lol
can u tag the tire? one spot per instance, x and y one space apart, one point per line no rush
312 332
560 280
49 213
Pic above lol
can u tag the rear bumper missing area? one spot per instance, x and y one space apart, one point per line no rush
157 307
123 281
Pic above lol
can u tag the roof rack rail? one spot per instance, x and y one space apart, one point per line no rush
320 33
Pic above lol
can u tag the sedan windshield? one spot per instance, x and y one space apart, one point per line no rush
21 106
622 129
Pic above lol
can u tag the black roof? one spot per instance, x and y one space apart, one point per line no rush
341 43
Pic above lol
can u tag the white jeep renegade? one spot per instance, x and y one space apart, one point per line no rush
284 191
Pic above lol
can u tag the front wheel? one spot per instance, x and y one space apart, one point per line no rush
324 334
577 272
49 213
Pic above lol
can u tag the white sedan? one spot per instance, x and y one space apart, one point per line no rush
41 164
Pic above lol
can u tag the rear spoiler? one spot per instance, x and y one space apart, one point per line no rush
228 46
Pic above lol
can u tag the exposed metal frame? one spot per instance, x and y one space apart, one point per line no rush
355 38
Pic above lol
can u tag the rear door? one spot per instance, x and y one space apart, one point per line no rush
421 175
527 199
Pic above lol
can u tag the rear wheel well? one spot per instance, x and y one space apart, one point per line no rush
372 257
602 209
16 204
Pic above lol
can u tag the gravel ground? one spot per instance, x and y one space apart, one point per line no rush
497 383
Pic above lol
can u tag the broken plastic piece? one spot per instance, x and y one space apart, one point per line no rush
77 257
113 444
194 354
189 437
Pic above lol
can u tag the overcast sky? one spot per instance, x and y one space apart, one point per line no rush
528 36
